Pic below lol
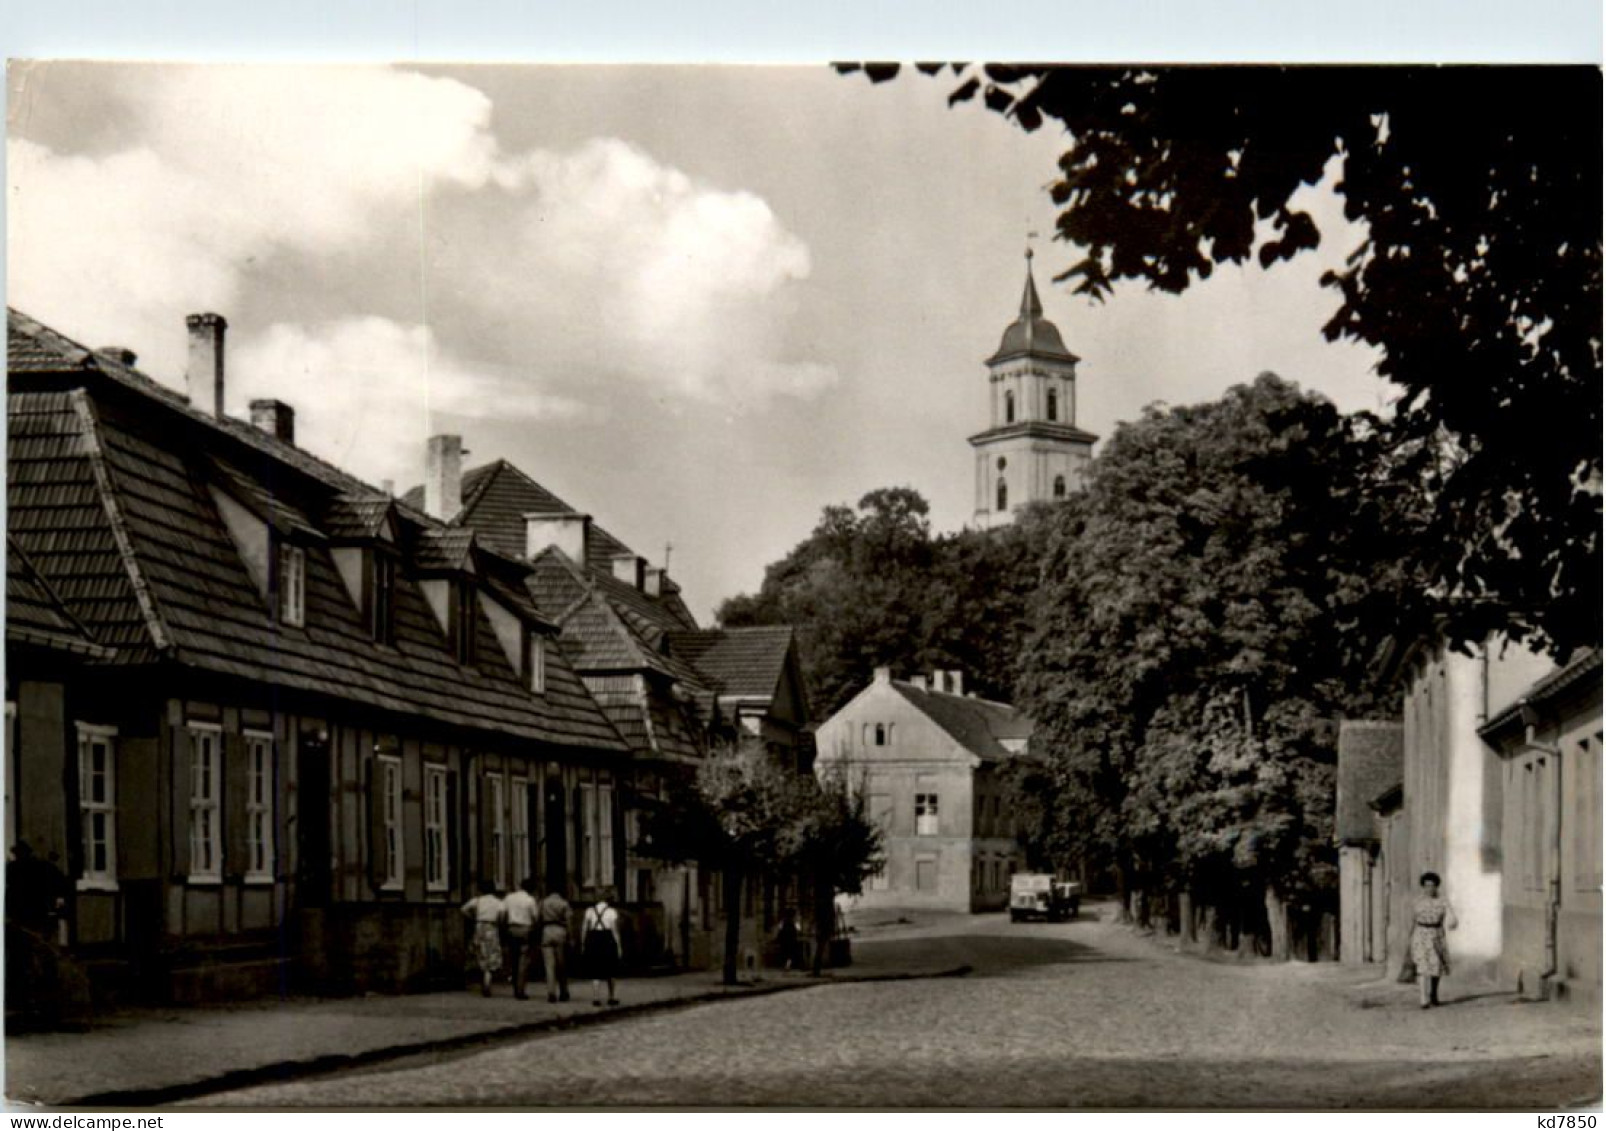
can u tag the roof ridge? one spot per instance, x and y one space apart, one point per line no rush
143 596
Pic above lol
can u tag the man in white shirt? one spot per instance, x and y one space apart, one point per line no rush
522 915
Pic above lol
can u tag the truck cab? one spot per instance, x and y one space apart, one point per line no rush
1038 895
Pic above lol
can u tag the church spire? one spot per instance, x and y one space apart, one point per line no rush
1030 308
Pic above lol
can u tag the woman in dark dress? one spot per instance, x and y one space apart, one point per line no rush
603 948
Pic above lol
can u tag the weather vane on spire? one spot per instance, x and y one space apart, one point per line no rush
1030 236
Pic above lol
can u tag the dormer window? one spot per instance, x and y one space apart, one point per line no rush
535 663
290 581
382 598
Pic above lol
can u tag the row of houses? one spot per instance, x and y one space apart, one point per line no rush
1492 779
272 724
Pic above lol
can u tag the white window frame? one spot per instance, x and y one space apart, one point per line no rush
496 811
259 806
927 809
437 851
519 823
292 585
605 844
206 797
96 879
588 834
389 768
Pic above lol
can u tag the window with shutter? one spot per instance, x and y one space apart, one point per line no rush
519 814
390 809
588 834
436 850
259 806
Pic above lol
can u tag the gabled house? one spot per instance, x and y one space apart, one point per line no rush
325 714
670 688
929 758
1370 763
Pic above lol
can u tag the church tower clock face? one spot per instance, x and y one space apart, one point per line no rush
1031 450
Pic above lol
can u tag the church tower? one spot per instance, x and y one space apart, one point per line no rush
1033 450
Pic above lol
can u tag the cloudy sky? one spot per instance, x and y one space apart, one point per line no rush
699 303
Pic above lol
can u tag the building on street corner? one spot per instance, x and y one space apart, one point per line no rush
928 758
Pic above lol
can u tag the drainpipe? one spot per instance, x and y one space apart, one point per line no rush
1548 975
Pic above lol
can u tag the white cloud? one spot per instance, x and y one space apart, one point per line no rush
366 387
594 263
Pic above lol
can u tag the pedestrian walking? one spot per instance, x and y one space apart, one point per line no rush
522 912
786 941
486 912
1430 952
554 942
602 947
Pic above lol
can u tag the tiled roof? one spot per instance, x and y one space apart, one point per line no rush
108 496
745 663
435 550
981 726
1371 758
35 615
350 517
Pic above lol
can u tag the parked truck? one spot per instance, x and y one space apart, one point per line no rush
1038 895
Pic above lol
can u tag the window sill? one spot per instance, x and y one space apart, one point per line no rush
259 879
97 884
204 881
396 888
436 889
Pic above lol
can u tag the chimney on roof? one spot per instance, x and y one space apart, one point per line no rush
628 569
954 682
883 675
564 529
443 477
653 581
203 376
120 354
918 682
275 418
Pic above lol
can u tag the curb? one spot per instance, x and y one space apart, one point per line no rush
287 1070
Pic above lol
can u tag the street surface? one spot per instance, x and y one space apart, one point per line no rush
1080 1014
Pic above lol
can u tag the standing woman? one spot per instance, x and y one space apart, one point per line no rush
1429 951
486 913
602 947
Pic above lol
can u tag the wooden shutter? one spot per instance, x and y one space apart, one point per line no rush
235 786
180 789
454 835
616 866
374 792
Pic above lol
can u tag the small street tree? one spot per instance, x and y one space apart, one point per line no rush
834 846
731 817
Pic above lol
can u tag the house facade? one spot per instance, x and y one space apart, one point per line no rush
1548 742
671 688
928 758
1500 795
321 716
1370 764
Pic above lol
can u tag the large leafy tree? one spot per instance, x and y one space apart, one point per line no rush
1209 606
872 586
1478 279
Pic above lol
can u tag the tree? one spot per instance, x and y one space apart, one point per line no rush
1209 606
872 587
731 817
831 840
1478 279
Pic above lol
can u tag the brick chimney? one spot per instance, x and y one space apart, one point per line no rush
918 682
628 569
203 375
275 418
653 581
565 530
443 477
954 683
883 675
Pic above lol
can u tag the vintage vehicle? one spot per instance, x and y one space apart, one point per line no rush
1038 895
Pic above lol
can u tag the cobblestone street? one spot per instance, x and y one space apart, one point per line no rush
1082 1014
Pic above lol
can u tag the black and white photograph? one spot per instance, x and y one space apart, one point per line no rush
803 585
